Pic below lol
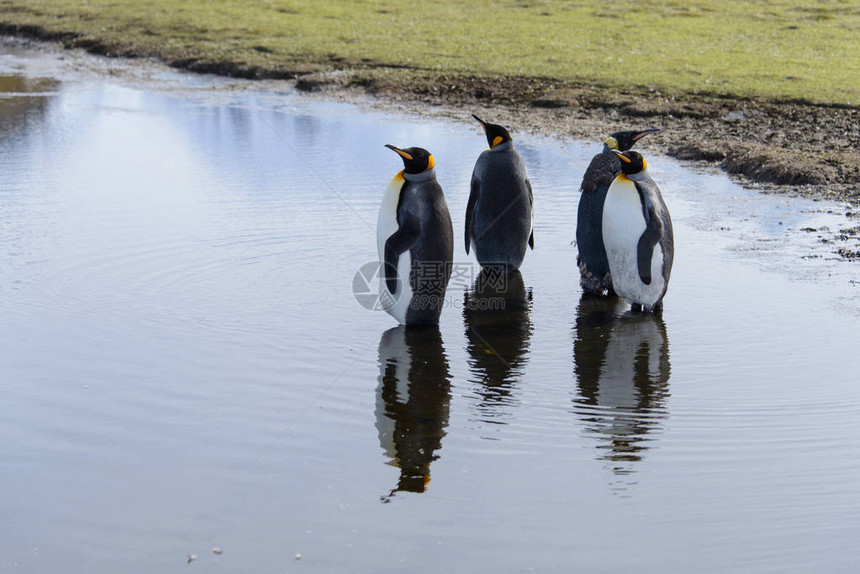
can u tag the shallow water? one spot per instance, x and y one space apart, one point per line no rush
184 364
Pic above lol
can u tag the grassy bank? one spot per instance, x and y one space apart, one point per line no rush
772 49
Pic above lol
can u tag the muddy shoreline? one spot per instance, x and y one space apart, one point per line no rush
775 147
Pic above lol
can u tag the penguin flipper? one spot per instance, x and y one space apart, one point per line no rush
399 242
531 208
470 210
649 238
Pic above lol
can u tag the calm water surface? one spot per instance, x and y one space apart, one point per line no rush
183 364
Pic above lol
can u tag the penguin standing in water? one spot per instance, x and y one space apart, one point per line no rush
637 233
415 239
499 220
604 167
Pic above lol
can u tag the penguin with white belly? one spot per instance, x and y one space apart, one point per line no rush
415 239
637 233
602 171
499 222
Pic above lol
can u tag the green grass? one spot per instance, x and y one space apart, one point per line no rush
772 49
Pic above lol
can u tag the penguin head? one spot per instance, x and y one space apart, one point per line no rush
496 134
415 159
623 141
632 162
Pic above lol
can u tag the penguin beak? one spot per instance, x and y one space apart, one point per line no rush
644 133
621 156
399 152
480 121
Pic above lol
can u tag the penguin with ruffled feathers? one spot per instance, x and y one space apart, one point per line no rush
637 234
499 221
602 171
415 240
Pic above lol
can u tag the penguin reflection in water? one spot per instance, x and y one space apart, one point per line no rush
497 317
637 233
499 221
415 239
622 369
412 402
602 171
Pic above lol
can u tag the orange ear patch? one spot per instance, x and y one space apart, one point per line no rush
497 140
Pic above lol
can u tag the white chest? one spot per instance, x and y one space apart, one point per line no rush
623 226
623 222
396 304
386 223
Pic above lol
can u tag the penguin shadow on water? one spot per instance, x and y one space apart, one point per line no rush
412 402
622 369
497 317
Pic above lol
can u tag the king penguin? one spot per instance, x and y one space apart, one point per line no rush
604 167
415 239
637 233
499 220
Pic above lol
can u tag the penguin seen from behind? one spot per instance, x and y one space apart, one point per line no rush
637 233
499 221
604 167
415 240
